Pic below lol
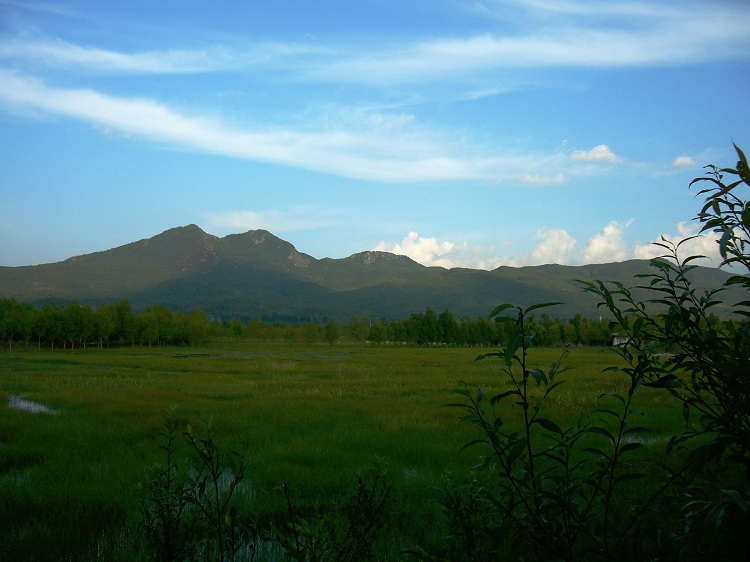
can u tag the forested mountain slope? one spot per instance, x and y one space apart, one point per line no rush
256 274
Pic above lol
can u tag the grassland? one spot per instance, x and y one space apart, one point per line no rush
313 416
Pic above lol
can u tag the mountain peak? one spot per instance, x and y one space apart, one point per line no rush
261 236
191 248
376 257
183 232
267 244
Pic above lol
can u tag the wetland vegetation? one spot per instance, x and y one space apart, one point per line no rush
314 417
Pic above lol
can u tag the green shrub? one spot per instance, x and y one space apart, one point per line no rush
188 511
594 491
344 534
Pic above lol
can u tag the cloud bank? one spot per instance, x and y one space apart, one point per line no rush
555 245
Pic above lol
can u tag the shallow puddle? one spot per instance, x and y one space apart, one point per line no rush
17 403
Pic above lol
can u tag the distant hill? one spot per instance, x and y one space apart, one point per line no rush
257 274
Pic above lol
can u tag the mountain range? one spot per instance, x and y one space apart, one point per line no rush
258 275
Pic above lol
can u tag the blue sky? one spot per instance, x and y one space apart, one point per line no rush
460 133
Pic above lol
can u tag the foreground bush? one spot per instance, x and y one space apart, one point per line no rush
548 492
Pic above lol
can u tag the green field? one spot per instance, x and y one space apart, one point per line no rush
311 416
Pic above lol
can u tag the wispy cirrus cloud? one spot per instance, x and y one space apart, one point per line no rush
527 36
542 180
620 35
56 54
368 145
376 153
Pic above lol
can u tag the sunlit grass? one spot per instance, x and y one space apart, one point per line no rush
311 416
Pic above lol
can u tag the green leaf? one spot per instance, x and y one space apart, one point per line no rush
629 476
553 385
597 452
606 411
667 381
516 451
613 395
746 217
627 447
511 348
460 391
499 309
458 405
539 376
742 168
638 326
472 443
602 431
490 354
541 305
690 258
502 395
725 238
738 279
548 425
637 429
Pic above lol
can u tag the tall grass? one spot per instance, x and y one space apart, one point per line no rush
69 483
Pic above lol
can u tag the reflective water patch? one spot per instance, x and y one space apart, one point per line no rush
18 403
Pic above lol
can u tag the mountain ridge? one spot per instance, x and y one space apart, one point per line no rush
257 274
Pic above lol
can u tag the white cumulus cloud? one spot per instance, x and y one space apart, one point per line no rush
698 245
607 246
599 154
683 162
425 250
555 246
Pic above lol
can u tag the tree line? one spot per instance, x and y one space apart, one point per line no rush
75 325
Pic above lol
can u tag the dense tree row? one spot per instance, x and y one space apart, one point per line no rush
430 328
75 325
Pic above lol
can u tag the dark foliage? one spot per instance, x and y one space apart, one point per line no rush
547 492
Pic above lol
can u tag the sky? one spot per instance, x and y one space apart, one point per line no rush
460 133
